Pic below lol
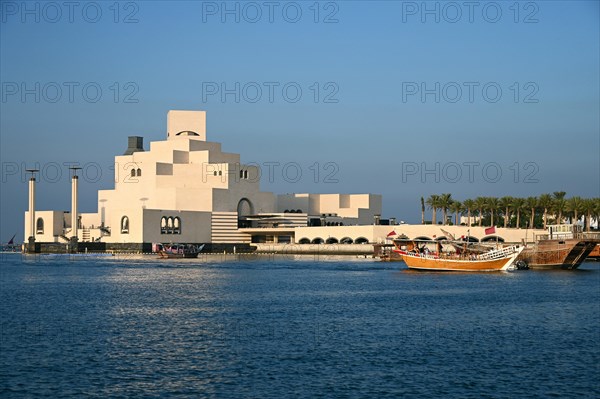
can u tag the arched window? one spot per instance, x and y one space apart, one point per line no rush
304 240
132 172
39 226
163 225
177 225
139 172
245 174
169 225
215 173
124 225
361 240
241 174
317 240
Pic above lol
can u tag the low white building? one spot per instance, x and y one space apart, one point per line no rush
186 189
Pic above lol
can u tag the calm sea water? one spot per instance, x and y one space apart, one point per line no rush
273 327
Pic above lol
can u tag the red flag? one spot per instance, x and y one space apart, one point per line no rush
391 233
490 230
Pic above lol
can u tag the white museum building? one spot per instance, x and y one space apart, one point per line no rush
186 189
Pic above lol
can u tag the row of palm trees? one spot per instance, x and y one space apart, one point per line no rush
516 212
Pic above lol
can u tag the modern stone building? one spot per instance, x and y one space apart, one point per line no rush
186 189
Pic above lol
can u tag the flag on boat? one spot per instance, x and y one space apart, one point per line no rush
490 230
391 234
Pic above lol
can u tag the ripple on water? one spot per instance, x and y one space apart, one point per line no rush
274 328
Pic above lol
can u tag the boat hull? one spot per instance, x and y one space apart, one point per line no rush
421 263
495 260
558 254
167 255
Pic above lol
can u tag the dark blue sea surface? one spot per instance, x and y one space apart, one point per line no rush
274 327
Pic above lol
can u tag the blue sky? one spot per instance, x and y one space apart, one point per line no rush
367 130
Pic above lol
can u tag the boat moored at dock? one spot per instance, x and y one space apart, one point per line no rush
565 246
178 250
420 258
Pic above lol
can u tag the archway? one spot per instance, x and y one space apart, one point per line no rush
492 238
361 240
244 209
422 238
317 240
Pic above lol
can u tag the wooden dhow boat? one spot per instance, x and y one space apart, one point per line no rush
421 258
565 246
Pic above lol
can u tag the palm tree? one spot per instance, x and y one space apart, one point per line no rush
469 204
445 203
433 202
505 203
531 203
422 210
545 202
517 206
456 207
574 206
589 206
560 205
480 205
596 212
492 205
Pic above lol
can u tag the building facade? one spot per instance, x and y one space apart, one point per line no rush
186 189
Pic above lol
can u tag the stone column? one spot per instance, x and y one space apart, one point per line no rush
32 226
74 226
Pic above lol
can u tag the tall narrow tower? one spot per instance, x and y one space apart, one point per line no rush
31 238
74 213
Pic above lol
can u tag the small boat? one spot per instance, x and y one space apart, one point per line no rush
421 258
10 246
178 250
